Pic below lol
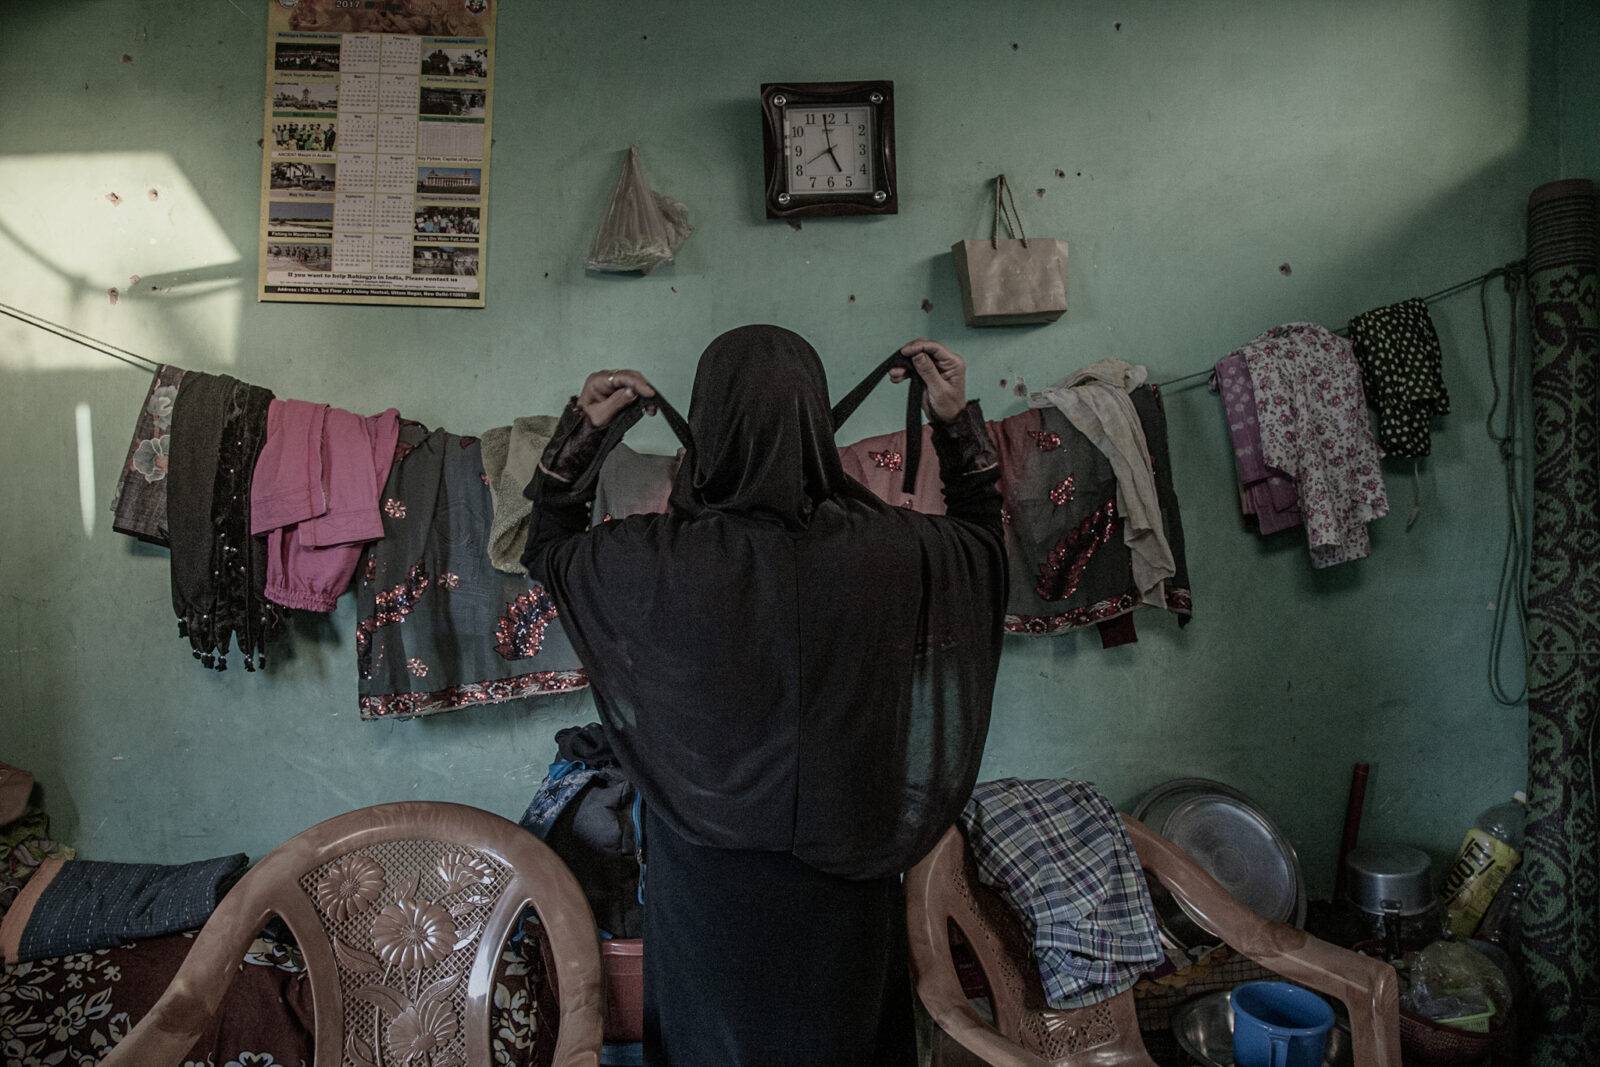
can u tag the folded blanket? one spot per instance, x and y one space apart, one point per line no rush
1059 855
78 906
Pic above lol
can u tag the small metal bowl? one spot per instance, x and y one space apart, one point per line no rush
1203 1027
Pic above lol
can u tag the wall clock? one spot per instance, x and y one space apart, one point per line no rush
829 148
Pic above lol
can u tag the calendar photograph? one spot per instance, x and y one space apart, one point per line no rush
289 256
299 218
376 148
305 55
299 177
306 96
447 223
458 61
457 103
458 261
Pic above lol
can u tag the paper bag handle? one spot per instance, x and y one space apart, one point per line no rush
1001 186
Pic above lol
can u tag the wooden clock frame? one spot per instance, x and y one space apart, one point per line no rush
882 199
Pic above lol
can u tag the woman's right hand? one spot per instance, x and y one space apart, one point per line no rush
942 371
606 392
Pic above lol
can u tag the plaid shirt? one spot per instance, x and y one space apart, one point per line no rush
1057 852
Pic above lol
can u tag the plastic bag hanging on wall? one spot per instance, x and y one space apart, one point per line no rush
642 229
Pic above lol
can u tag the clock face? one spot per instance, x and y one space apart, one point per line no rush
828 149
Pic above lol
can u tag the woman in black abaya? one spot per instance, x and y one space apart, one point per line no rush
797 677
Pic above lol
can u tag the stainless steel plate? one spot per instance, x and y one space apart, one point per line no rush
1240 849
1154 807
1204 1028
1157 810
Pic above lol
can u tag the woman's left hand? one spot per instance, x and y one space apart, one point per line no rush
606 392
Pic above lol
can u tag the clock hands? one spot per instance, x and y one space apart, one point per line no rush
828 151
837 165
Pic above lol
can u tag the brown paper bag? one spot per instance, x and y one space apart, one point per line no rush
1008 282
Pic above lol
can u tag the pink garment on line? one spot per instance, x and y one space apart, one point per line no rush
287 486
315 494
879 464
1265 493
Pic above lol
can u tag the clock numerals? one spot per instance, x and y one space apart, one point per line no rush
829 151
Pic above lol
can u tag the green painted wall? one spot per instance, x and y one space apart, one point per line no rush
1380 150
1578 99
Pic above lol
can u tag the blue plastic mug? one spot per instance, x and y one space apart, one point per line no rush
1276 1024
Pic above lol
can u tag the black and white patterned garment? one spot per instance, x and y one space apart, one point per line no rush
1402 373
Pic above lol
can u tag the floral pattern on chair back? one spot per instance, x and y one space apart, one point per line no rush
405 920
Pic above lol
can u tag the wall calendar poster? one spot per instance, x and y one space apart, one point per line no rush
375 161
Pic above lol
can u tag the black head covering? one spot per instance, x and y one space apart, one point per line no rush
761 432
782 660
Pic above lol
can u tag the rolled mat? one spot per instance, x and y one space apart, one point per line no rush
1561 912
82 905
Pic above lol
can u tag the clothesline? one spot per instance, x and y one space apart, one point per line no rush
133 359
1434 297
93 344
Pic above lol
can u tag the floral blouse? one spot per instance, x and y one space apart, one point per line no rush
1314 428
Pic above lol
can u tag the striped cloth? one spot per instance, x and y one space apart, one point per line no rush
1057 852
84 905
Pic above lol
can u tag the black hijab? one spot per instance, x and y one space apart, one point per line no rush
761 432
782 660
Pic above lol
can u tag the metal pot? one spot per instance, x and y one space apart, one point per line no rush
1389 880
1389 886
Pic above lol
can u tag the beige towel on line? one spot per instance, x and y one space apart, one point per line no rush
510 456
1095 400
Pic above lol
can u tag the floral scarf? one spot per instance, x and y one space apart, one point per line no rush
140 507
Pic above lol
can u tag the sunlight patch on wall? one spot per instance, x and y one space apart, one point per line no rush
117 245
86 494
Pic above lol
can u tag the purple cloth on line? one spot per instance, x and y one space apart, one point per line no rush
287 486
316 495
1266 493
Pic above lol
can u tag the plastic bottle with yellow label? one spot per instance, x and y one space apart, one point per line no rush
1489 852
